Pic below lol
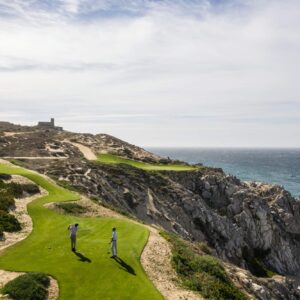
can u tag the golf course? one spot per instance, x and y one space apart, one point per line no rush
88 273
109 158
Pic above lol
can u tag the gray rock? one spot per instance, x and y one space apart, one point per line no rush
206 195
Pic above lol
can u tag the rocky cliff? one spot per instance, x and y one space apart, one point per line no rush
253 227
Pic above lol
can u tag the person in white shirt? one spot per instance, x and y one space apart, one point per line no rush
73 229
114 239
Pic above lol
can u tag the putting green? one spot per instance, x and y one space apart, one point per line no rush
90 273
114 159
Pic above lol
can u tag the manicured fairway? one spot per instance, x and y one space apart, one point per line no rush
114 159
91 273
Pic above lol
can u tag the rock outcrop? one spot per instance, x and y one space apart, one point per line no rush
253 227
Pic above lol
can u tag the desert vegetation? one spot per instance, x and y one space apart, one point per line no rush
31 286
8 192
201 272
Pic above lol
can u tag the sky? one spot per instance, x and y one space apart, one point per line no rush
173 73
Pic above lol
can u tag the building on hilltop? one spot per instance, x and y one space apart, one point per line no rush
49 125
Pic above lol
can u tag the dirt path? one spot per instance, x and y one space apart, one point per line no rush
156 261
86 151
9 133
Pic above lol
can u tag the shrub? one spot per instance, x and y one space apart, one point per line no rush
5 176
41 278
8 222
202 273
30 188
95 199
65 184
9 191
31 286
211 288
6 202
15 189
71 208
204 247
209 265
1 232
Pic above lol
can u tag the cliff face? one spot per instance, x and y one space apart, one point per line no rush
254 227
243 222
248 220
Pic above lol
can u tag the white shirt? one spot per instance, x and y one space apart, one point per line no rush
114 235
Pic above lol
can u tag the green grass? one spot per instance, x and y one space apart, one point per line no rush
91 274
114 159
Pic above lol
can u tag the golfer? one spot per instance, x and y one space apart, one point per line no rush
114 239
73 229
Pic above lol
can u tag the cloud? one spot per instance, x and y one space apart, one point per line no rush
155 72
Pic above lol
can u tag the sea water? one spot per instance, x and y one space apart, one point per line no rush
279 166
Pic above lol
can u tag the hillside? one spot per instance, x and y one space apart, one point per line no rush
253 228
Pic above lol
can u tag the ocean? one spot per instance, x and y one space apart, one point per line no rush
280 166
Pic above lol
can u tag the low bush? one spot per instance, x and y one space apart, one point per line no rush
65 184
30 188
5 176
1 233
13 189
41 278
203 247
202 273
31 286
7 202
10 191
71 208
9 222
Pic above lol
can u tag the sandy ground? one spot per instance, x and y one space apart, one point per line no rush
86 151
12 238
10 133
7 163
156 261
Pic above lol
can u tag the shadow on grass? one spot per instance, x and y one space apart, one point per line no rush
82 257
124 266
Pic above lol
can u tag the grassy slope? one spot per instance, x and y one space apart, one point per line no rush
114 159
47 250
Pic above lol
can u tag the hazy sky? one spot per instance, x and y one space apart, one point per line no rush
155 73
